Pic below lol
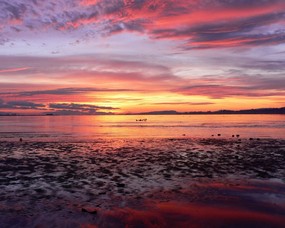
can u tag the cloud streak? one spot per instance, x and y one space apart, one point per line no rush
245 86
22 105
56 108
11 70
79 109
184 103
82 107
68 91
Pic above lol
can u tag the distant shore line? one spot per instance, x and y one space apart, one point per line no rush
148 114
153 114
261 111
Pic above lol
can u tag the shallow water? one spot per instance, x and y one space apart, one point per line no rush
86 128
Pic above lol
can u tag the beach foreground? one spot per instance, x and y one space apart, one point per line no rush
143 183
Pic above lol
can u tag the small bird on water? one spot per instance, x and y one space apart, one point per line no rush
21 140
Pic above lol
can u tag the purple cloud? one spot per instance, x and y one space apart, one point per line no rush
21 105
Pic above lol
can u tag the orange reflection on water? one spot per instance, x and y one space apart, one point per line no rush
127 126
212 204
176 214
158 126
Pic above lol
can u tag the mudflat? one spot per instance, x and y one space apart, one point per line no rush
206 182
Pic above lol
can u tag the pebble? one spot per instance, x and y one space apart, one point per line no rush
121 185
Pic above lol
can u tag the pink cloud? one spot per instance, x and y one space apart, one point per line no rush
111 76
11 70
88 2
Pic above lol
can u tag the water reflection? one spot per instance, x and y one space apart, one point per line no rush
206 205
91 127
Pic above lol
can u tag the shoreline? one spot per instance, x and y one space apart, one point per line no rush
31 137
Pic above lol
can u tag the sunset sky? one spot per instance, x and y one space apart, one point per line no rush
121 56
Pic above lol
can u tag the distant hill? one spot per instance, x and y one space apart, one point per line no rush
246 111
166 112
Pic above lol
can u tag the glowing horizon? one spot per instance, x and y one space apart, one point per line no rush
121 56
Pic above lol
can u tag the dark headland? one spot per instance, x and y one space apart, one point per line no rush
245 111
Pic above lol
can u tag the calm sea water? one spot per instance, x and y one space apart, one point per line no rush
78 128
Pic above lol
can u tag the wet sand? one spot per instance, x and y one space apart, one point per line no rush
143 183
